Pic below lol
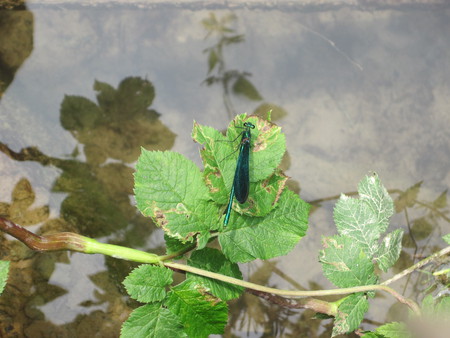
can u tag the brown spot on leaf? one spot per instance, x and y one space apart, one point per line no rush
160 218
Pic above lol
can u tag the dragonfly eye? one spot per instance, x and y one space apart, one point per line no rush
249 125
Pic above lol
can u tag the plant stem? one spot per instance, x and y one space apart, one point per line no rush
291 293
75 242
418 265
116 251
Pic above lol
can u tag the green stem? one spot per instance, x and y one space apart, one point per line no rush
294 294
441 272
418 265
75 242
178 253
94 247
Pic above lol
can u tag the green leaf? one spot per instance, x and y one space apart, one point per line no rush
4 269
220 157
201 313
263 195
345 264
389 250
368 334
443 308
268 145
393 330
366 218
213 260
174 245
147 283
150 321
428 305
372 192
169 188
446 238
243 86
249 238
356 220
350 313
214 155
202 240
436 308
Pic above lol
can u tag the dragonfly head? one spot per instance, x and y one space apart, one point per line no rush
249 125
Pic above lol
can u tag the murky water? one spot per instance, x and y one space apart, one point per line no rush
354 88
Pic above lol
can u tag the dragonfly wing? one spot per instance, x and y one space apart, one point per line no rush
241 181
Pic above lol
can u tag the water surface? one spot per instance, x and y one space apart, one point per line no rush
355 89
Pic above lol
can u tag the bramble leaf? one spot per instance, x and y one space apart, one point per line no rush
436 308
152 321
393 330
4 269
356 220
249 238
375 195
147 283
389 250
345 264
220 154
446 238
201 313
213 260
169 188
174 245
366 218
350 313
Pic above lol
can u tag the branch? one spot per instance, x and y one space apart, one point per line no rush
418 265
75 242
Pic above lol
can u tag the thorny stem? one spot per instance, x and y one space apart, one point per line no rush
75 242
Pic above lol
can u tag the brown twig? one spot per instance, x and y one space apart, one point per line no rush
55 242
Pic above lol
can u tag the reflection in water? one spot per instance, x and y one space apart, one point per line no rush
232 81
18 211
397 49
16 43
114 129
236 82
97 203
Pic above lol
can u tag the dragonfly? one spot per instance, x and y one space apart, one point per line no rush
241 181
